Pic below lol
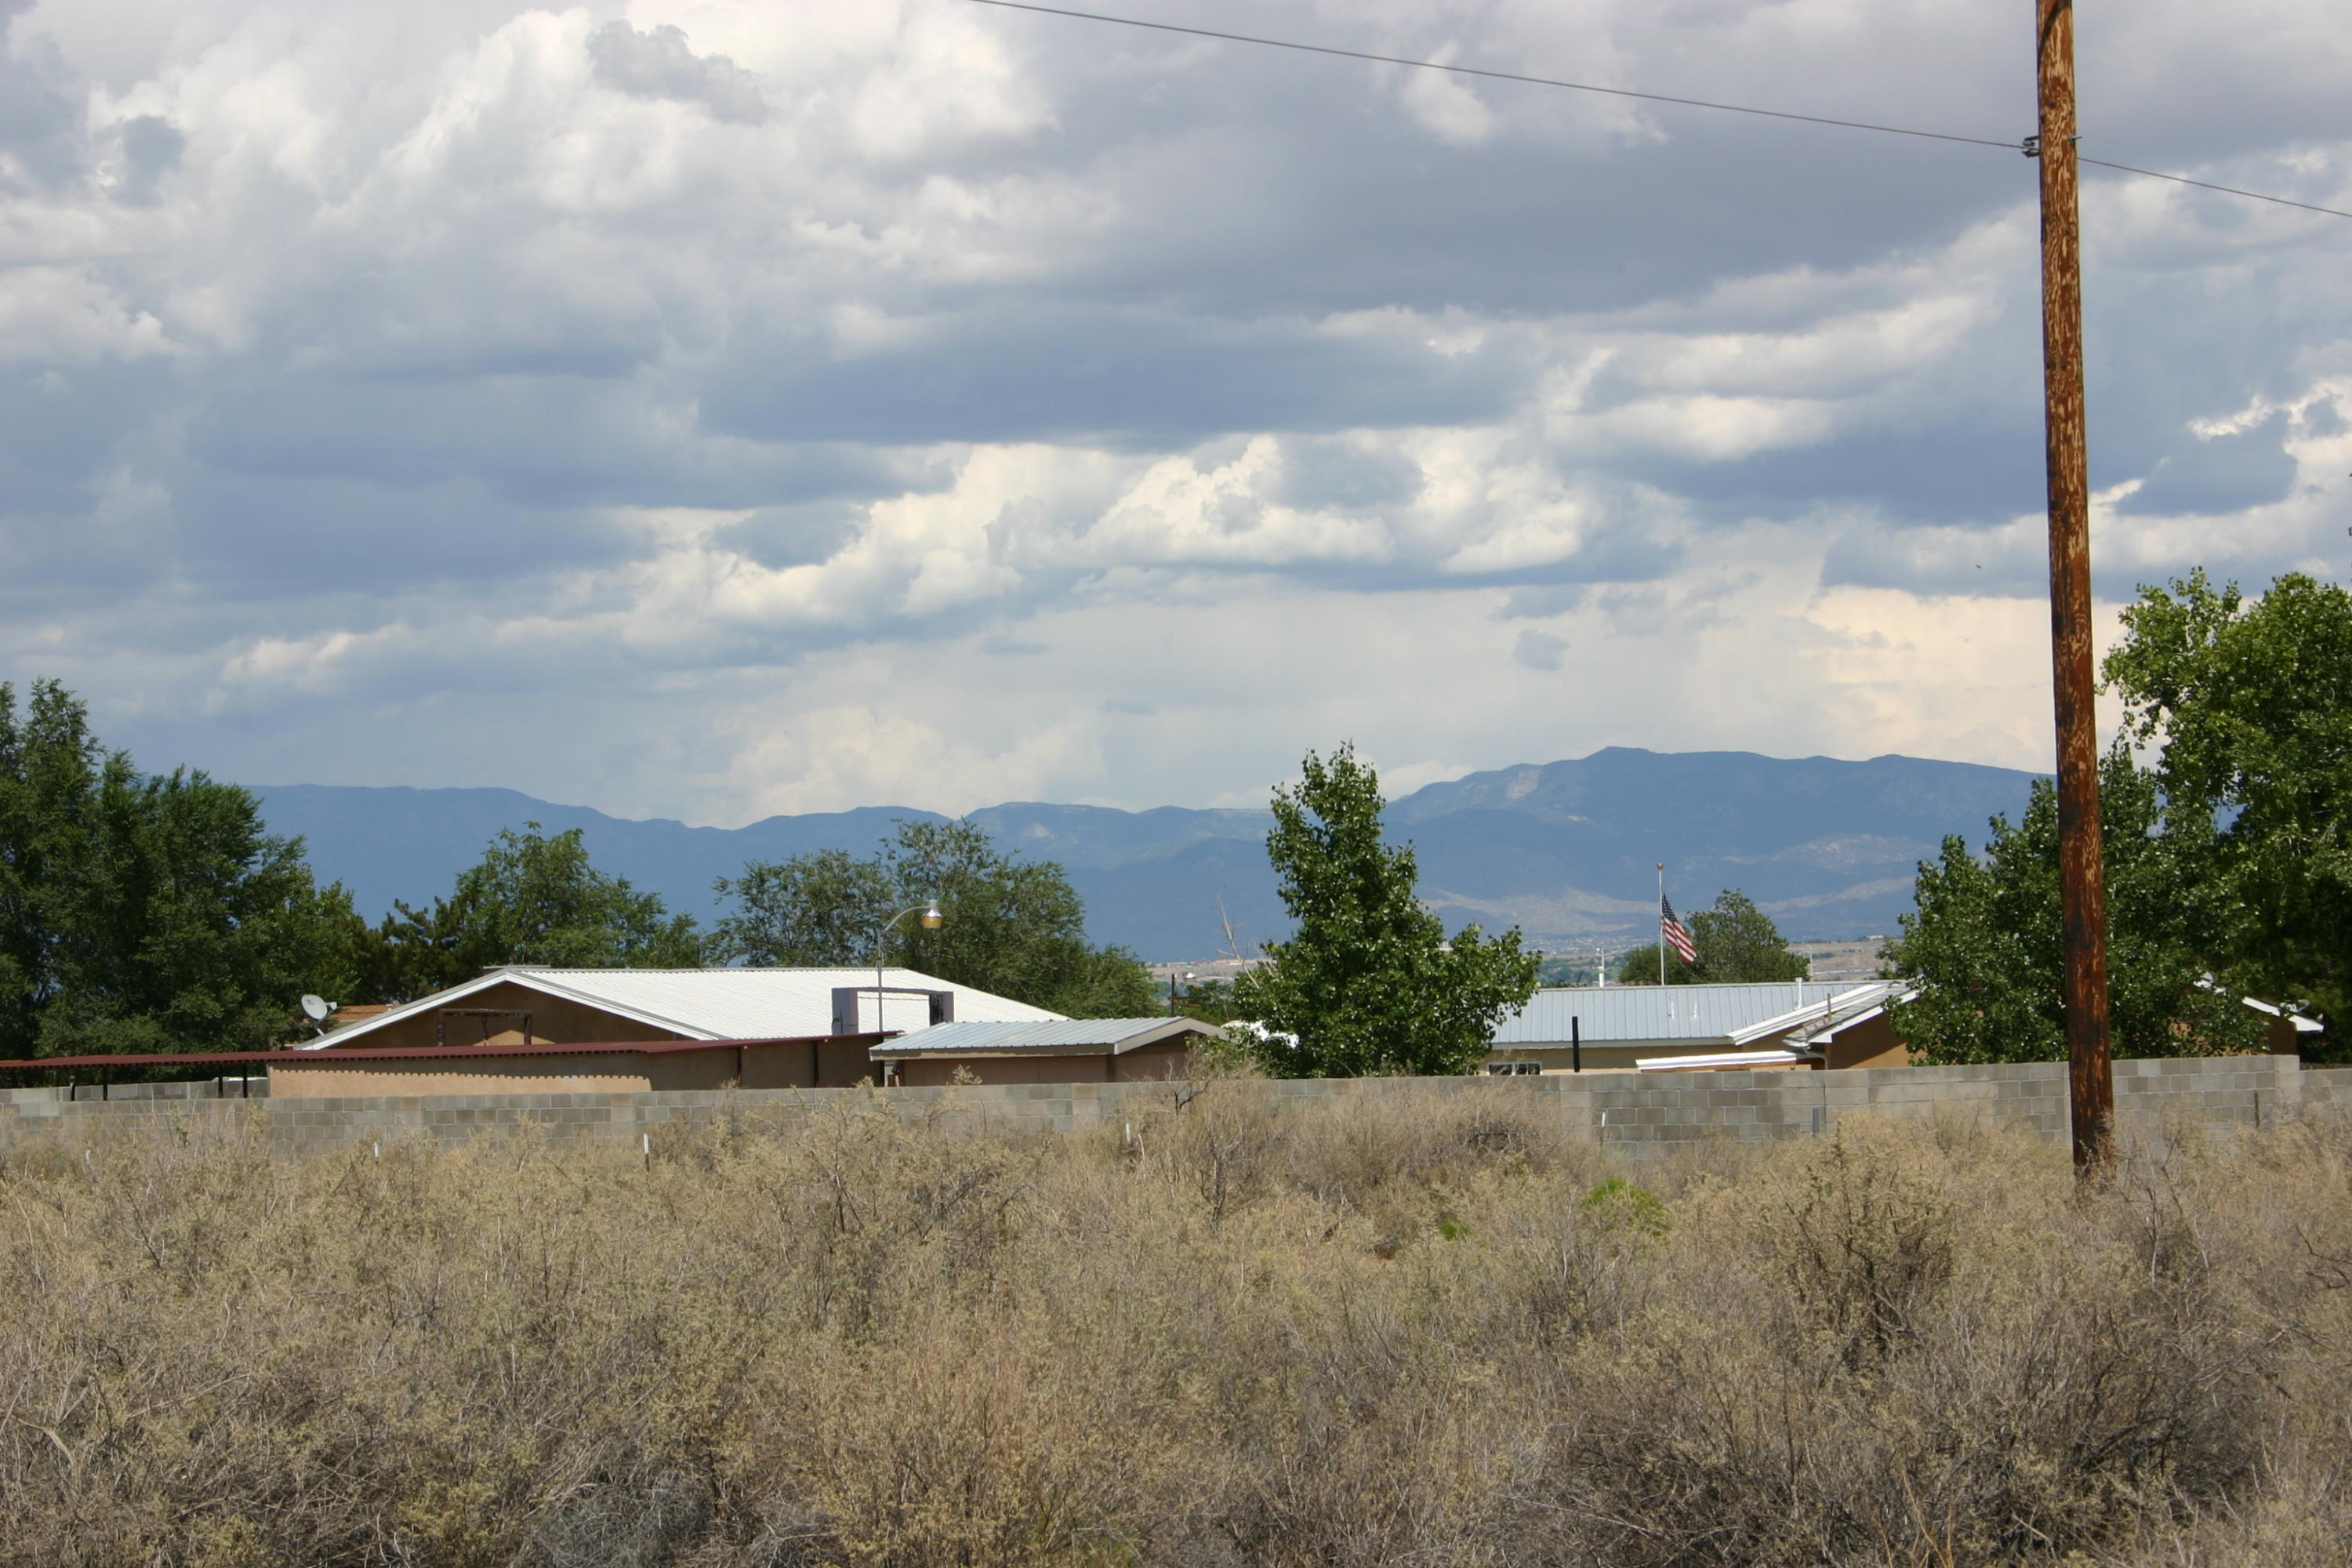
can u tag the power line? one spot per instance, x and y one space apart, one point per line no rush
2205 186
1491 75
1621 92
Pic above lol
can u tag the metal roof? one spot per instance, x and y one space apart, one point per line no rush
1067 1035
715 1004
1628 1015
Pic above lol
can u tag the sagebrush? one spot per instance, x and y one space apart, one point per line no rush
1393 1329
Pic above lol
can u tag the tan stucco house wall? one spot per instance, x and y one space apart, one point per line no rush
1146 1063
830 1063
554 1020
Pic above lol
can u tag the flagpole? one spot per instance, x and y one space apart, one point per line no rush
1662 922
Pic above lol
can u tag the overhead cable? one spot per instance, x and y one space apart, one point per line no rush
1619 92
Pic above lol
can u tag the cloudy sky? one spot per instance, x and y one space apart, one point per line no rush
709 410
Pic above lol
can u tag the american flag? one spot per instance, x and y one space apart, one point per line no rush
1677 935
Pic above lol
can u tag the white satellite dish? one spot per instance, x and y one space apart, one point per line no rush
317 1007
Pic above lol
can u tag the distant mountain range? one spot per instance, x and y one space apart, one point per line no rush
1566 851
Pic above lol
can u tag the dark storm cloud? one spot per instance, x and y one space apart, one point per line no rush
2005 562
1959 470
551 442
798 535
351 376
2218 474
656 63
40 108
1132 376
150 147
1325 472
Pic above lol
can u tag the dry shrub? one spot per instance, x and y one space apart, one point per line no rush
1404 1325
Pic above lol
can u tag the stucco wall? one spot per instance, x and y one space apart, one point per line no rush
1871 1044
1637 1114
796 1063
553 1020
1150 1064
601 1074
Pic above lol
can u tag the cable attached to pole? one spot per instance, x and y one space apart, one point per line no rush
2028 146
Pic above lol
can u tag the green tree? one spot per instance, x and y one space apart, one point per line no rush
1736 942
533 899
2251 704
1639 967
1984 942
146 913
1013 927
1210 1001
818 908
1368 983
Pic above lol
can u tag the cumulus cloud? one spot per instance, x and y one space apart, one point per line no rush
726 409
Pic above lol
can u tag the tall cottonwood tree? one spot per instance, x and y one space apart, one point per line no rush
1368 983
1985 943
2227 861
2248 703
146 913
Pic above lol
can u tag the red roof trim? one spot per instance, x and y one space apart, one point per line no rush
429 1053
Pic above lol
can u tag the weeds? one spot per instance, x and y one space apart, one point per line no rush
1401 1327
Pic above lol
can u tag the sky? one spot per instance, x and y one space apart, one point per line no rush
710 410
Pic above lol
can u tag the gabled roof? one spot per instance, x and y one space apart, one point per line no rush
1068 1036
1858 1006
715 1004
2304 1024
1642 1014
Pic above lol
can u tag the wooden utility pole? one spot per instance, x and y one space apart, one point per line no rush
2082 889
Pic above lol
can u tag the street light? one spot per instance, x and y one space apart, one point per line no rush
933 919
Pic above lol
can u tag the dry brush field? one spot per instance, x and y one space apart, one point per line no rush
1404 1331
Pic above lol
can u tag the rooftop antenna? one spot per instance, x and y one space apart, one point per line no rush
317 1009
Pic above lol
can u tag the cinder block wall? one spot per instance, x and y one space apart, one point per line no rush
1639 1113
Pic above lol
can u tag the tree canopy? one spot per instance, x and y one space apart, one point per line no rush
2228 868
1984 941
1736 942
1013 927
533 898
142 912
1368 983
2249 706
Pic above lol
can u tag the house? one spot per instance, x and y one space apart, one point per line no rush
810 1028
1780 1024
2291 1031
1069 1050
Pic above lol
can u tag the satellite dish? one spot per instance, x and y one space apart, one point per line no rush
317 1007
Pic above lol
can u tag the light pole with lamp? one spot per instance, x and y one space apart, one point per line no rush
932 921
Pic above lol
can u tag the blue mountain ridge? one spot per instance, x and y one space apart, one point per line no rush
1565 850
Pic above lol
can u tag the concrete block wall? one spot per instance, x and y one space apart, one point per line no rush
2327 1088
1640 1113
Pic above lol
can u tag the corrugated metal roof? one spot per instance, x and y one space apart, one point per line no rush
1858 1006
722 1004
1066 1034
1626 1015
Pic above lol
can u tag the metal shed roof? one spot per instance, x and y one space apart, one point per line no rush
1631 1015
712 1004
1065 1035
